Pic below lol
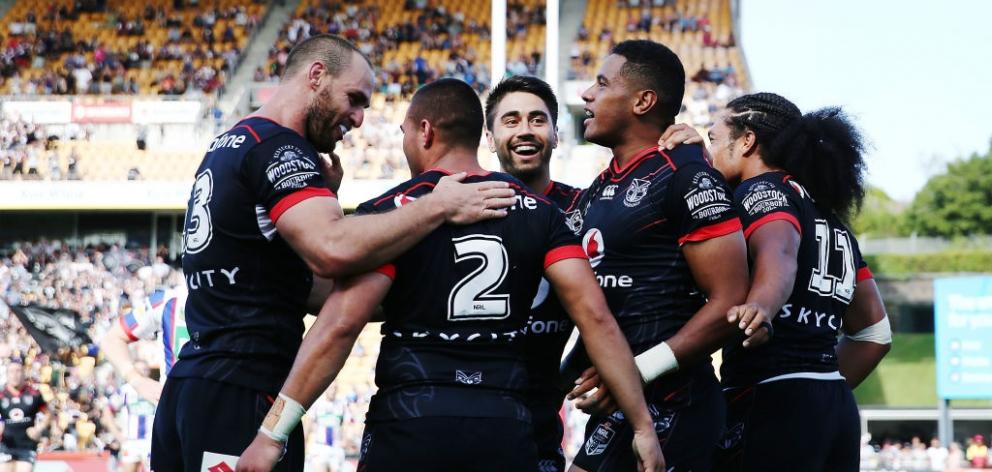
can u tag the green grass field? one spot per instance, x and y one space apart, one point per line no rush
907 377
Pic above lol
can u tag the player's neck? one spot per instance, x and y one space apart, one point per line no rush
757 168
458 160
634 141
282 109
539 181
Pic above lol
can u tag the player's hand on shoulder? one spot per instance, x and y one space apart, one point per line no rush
332 171
261 456
470 203
647 451
147 388
679 133
754 320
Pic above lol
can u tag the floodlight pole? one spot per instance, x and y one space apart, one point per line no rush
498 41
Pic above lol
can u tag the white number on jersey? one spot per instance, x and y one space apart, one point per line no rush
199 230
472 297
824 283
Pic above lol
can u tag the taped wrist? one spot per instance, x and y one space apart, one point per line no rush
282 418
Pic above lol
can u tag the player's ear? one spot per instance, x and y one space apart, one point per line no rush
427 134
314 74
749 142
644 101
491 141
554 137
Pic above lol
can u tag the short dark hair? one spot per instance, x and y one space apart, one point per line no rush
521 83
823 149
333 51
653 66
451 106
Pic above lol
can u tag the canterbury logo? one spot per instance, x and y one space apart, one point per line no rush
474 378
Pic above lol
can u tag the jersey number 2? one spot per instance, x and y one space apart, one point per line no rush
473 297
821 281
199 229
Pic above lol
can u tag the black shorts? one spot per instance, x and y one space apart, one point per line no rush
787 425
443 444
688 421
202 420
548 434
19 453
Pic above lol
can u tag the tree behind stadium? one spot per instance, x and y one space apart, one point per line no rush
957 202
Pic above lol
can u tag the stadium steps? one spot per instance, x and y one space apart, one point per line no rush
234 102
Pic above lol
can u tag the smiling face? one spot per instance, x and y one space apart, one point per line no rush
338 105
522 135
608 105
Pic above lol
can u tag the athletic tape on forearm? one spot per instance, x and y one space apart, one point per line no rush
878 333
656 362
282 418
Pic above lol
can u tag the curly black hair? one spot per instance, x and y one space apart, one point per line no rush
823 149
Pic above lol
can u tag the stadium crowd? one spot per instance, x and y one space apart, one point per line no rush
434 28
916 455
83 393
69 63
27 153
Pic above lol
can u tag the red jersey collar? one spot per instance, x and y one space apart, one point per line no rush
640 156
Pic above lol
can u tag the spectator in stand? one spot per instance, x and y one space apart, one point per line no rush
955 456
937 455
978 452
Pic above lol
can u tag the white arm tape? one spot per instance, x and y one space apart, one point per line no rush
656 362
289 416
878 333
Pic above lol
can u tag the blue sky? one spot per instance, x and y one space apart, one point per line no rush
917 76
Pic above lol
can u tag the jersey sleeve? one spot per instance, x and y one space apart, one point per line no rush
367 208
699 204
282 171
761 202
864 272
370 208
562 243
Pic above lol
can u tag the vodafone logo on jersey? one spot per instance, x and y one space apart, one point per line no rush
402 199
594 246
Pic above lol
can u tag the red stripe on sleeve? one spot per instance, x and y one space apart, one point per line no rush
389 270
776 216
864 273
298 196
712 231
130 336
572 251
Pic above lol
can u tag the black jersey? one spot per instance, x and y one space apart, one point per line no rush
457 312
247 287
828 267
634 220
549 325
18 409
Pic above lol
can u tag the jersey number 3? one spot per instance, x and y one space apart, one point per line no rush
199 229
473 297
821 281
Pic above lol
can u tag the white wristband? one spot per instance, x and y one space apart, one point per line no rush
656 362
282 418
